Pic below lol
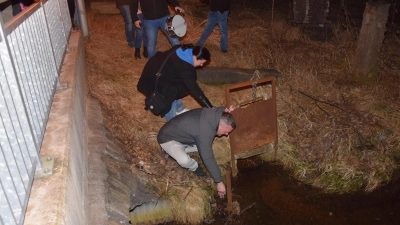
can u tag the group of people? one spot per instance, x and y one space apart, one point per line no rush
185 130
143 19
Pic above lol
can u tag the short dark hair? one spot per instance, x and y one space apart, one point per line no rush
199 51
228 119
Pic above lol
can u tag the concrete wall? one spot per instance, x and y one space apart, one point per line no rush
61 198
6 13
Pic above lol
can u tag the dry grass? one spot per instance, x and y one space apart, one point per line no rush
333 133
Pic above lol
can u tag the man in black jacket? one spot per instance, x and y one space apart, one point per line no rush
155 14
194 131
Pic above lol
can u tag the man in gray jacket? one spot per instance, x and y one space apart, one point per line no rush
195 131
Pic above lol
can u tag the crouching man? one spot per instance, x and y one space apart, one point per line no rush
194 131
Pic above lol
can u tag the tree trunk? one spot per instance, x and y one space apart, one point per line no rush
369 43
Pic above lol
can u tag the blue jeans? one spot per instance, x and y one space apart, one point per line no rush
76 15
16 8
213 19
176 106
129 26
130 29
152 33
140 34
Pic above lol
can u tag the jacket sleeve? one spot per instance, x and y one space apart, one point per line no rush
189 78
133 7
204 146
204 102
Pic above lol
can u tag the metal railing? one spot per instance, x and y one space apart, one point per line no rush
32 49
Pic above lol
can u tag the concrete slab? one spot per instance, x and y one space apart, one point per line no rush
223 75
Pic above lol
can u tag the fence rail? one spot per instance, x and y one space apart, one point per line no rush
32 49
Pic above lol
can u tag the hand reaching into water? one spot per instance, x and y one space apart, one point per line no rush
221 189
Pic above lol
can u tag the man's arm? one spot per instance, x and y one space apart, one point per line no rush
212 167
133 7
204 146
188 77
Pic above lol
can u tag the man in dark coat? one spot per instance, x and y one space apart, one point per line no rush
195 131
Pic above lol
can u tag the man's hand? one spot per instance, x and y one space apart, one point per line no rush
179 9
221 189
230 109
137 24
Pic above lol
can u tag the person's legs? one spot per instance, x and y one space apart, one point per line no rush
151 31
189 148
139 33
16 8
179 106
145 39
211 22
71 8
177 151
126 14
141 37
176 106
76 15
173 40
223 30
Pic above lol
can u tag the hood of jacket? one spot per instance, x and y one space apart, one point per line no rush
186 55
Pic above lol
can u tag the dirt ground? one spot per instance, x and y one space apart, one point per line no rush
334 133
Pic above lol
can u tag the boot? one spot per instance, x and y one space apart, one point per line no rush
137 53
145 52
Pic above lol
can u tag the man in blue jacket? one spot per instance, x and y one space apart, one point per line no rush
194 131
155 14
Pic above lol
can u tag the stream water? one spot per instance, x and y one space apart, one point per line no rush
268 195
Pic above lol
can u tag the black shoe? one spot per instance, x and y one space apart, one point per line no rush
199 172
224 51
145 54
137 53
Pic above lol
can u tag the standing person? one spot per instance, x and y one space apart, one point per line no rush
155 15
218 14
19 5
178 77
134 41
71 8
194 131
139 38
16 7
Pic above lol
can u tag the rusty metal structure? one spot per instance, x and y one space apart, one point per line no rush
256 121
